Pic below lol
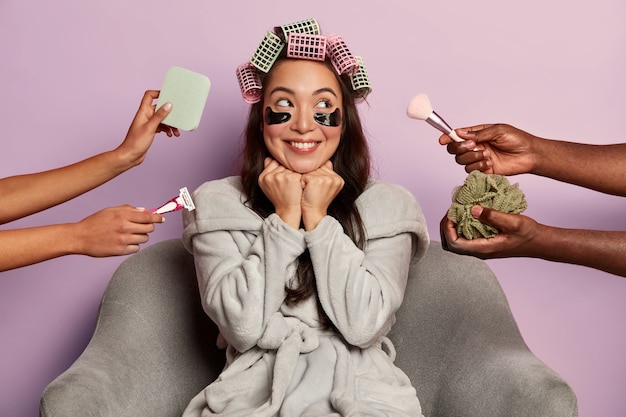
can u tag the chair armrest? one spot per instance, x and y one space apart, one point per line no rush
458 342
153 348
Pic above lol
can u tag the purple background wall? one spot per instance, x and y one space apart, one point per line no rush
72 74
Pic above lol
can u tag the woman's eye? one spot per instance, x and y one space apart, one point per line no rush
283 103
324 104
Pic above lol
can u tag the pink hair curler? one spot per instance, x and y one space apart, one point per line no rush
249 82
305 46
341 57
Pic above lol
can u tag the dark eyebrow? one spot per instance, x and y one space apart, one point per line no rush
284 89
316 92
325 90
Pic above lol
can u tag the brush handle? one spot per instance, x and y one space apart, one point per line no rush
438 123
455 137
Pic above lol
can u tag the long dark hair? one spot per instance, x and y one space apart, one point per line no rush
351 161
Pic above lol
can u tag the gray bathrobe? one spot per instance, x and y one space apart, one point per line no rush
280 361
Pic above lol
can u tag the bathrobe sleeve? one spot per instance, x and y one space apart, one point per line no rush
242 261
361 290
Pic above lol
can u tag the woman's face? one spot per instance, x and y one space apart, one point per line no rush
302 114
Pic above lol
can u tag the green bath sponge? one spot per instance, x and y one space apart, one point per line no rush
487 190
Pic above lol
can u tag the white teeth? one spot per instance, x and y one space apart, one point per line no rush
303 145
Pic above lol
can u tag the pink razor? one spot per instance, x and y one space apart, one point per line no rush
177 203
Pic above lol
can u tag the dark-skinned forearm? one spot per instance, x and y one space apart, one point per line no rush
603 250
597 167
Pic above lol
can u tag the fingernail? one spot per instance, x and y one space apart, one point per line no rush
476 211
167 106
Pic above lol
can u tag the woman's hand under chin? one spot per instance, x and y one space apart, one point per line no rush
284 189
300 197
320 187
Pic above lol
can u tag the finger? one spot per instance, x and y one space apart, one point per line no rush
484 165
456 148
447 230
272 165
159 115
444 139
471 157
148 97
324 170
141 228
139 239
140 215
473 129
164 129
168 130
130 249
480 133
491 217
443 225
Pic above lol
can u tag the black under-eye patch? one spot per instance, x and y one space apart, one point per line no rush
273 118
325 119
329 119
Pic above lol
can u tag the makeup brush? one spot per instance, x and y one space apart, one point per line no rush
420 108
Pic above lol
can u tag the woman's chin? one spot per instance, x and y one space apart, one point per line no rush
304 168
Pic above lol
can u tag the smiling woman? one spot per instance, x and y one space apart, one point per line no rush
305 92
303 259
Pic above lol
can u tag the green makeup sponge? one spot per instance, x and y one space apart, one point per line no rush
487 190
188 92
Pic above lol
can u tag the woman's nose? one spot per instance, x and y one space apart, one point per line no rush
303 121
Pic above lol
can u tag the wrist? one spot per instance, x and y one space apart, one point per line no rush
540 152
311 220
120 160
73 242
291 216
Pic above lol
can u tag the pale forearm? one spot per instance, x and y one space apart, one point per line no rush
597 167
111 231
23 247
23 195
27 194
603 250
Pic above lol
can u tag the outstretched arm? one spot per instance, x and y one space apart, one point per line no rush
597 167
506 150
522 236
112 231
23 195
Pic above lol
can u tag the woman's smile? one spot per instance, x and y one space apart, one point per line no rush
303 146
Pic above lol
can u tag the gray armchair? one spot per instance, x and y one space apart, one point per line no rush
153 348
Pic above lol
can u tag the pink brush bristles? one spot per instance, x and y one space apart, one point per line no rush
420 108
